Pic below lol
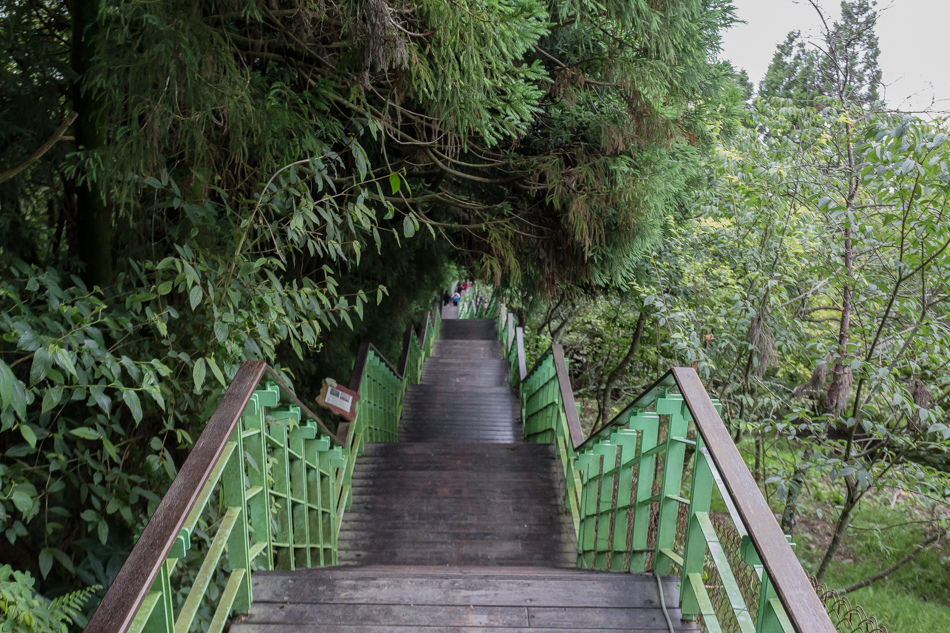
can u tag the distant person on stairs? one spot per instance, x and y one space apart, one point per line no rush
455 299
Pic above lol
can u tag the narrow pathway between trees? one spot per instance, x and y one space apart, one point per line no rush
459 526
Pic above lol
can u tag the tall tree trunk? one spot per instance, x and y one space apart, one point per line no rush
621 366
94 214
838 391
841 526
795 485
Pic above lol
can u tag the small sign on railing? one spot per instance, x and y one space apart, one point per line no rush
337 399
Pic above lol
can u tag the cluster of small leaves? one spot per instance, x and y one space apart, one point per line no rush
24 611
103 392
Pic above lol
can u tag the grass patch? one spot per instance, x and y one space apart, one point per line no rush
912 599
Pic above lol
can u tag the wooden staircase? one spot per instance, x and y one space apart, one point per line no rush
459 526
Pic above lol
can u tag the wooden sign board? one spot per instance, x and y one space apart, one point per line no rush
337 399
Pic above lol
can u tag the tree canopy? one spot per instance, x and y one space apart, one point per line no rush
188 184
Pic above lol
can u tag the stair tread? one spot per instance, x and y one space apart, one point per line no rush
460 486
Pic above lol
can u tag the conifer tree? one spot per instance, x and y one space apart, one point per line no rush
842 65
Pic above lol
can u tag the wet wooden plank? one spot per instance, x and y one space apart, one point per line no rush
635 591
402 615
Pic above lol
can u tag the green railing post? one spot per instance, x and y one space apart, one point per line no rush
694 553
670 499
771 615
648 425
158 614
255 447
234 495
278 436
589 465
626 439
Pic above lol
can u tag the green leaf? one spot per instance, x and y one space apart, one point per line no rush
12 393
165 287
85 433
408 226
131 399
46 561
60 555
41 365
51 398
22 498
359 156
195 296
394 182
99 395
220 331
110 449
103 531
198 374
217 371
64 360
28 435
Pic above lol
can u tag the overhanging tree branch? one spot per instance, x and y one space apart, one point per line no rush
42 149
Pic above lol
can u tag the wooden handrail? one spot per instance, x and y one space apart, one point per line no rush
522 368
138 573
567 396
792 585
750 511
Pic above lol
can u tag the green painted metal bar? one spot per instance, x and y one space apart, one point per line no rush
624 473
200 585
705 607
284 481
694 554
676 427
228 601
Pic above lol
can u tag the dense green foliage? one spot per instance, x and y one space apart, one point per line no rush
809 288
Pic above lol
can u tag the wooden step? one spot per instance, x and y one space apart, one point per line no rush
457 504
470 330
397 599
467 349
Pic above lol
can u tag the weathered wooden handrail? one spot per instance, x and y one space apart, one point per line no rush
798 597
621 458
140 596
141 569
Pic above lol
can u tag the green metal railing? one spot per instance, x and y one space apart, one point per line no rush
640 491
266 486
477 303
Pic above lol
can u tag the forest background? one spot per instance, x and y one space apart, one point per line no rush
189 184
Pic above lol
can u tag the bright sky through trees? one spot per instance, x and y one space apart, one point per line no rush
912 36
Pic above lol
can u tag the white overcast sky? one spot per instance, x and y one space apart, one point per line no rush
913 36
